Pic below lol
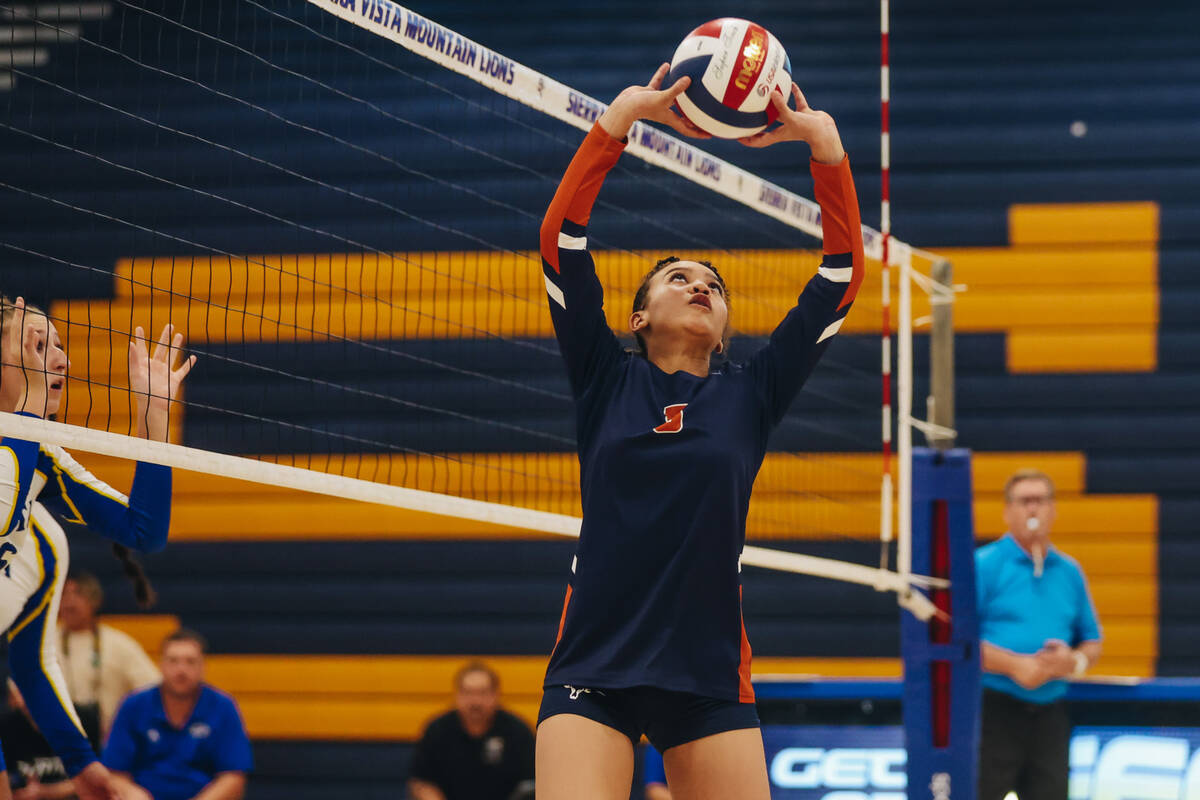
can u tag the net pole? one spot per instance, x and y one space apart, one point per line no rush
941 358
885 228
904 419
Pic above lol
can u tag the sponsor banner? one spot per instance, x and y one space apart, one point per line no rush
814 762
437 43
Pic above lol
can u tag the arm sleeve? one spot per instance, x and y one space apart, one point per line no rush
140 521
234 754
574 292
18 460
785 363
120 751
33 657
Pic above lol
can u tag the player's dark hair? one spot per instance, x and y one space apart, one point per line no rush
186 635
643 290
476 666
143 591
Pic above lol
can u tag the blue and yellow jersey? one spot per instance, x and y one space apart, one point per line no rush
668 461
34 481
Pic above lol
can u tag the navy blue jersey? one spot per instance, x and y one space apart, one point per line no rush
667 462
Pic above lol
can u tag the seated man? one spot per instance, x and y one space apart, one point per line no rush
182 740
478 751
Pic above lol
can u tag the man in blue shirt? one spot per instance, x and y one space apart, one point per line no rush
182 740
1038 627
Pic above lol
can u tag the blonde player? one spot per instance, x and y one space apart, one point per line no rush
37 479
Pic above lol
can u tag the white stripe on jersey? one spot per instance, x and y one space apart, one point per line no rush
556 294
833 328
572 242
836 274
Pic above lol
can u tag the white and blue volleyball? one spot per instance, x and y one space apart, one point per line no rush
734 65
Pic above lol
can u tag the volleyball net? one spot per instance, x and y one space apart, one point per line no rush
337 203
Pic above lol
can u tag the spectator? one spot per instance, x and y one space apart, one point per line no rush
34 770
182 740
100 663
1038 627
477 751
654 776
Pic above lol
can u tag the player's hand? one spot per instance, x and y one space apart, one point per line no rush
154 378
32 790
803 124
97 783
650 102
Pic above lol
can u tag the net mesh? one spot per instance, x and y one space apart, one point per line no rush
344 233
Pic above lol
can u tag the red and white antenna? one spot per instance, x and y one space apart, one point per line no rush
885 228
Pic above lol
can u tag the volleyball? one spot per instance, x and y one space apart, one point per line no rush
734 65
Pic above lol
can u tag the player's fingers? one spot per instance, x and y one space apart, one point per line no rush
685 127
763 139
183 369
801 103
779 100
160 347
678 87
659 74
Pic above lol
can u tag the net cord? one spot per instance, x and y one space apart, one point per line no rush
516 81
74 437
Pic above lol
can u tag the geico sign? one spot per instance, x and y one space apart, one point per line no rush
1145 767
839 768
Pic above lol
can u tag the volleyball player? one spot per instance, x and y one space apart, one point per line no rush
651 639
37 479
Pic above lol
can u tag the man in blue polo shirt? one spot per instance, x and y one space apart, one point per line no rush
1038 627
182 740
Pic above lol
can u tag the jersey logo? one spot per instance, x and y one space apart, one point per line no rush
577 691
674 419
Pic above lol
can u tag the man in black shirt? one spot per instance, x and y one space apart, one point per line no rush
476 752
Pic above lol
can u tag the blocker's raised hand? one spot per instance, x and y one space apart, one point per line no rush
803 124
650 102
154 377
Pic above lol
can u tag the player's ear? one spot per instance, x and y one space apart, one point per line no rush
720 348
638 321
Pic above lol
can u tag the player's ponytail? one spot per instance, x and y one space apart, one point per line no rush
142 589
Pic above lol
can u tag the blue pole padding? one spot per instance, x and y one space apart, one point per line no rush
941 660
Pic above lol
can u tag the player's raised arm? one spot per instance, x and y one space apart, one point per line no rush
574 292
799 341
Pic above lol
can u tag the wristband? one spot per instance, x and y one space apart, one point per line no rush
1081 664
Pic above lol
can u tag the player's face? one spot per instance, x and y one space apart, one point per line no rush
49 349
476 699
685 300
75 610
182 668
1029 511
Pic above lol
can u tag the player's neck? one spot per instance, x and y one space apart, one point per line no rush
680 359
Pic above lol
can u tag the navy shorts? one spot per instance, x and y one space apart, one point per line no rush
667 718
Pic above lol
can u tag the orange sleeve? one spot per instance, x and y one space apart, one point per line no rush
841 224
579 187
